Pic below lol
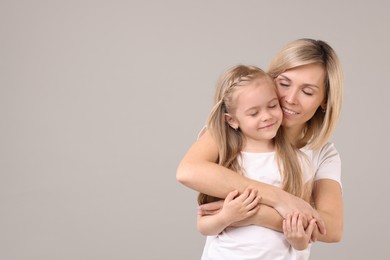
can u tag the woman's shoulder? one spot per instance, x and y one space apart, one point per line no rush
327 147
325 152
202 131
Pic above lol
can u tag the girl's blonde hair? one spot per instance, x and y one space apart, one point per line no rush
230 141
308 51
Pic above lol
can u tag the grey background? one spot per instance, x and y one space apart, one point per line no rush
99 100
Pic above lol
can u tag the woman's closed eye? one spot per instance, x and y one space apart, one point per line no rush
308 91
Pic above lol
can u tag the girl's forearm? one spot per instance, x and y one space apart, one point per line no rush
211 225
268 217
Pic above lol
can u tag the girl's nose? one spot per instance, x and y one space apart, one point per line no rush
266 116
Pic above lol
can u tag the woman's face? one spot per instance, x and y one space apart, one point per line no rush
301 91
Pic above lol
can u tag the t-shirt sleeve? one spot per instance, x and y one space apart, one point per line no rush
329 164
202 131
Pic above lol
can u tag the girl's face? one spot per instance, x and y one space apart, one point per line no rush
257 113
301 92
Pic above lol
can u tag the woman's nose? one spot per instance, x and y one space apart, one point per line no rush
291 97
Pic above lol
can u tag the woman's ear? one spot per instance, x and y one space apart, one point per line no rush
323 106
231 121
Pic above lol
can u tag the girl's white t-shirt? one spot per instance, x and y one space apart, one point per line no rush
254 242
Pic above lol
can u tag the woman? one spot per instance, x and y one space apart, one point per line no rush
309 83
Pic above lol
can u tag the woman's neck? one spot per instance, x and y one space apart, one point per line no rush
295 135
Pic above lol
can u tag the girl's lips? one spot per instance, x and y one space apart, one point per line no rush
268 126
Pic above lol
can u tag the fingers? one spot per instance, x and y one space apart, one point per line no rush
231 195
294 221
212 206
249 196
287 224
252 195
255 202
243 196
310 228
254 210
314 234
321 226
300 222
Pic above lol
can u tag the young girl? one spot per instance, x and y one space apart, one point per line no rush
244 123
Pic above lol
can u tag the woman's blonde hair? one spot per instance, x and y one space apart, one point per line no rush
308 51
230 141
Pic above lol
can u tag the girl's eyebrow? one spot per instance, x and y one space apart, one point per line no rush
257 107
304 84
272 100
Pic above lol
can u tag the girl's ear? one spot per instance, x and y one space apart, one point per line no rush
231 121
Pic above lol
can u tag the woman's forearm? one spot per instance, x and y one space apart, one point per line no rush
328 201
198 170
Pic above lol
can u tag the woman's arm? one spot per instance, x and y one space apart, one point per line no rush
327 197
328 201
198 170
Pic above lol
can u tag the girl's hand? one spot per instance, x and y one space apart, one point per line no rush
295 233
288 203
238 207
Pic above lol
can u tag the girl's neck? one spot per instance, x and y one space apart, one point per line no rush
253 146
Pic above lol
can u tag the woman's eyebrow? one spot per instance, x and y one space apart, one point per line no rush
304 84
310 85
284 77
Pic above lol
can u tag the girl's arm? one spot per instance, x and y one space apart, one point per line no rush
235 208
198 170
266 216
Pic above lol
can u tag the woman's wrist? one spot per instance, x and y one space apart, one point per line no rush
272 196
